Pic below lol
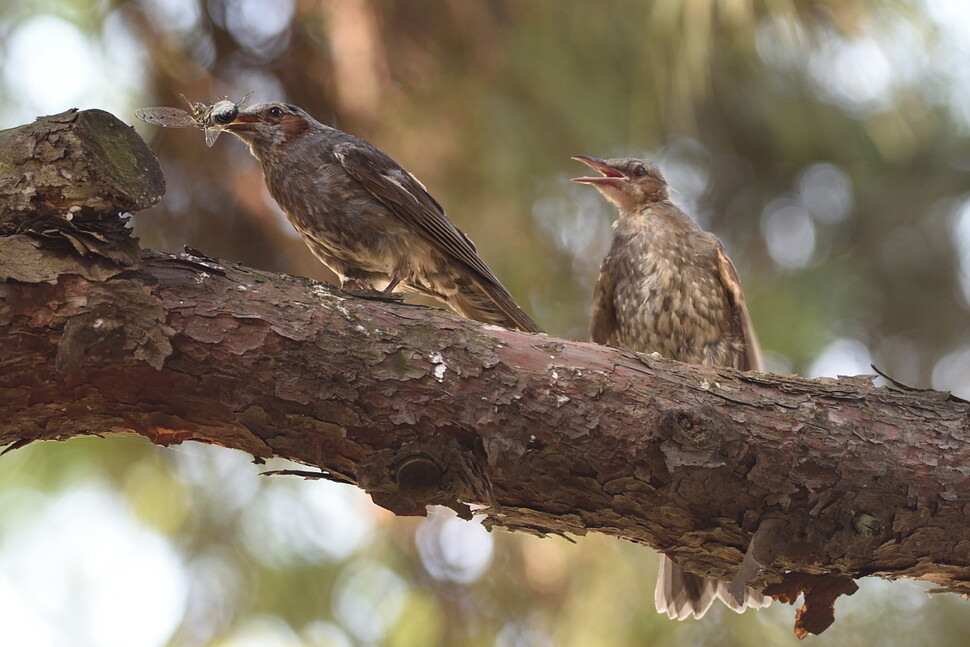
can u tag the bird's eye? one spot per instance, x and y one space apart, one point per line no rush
639 171
276 112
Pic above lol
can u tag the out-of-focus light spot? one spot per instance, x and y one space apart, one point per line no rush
789 232
961 239
826 192
952 373
84 572
854 74
259 25
452 548
50 66
842 357
948 79
325 634
203 51
216 591
263 631
954 15
291 521
175 16
781 40
905 45
860 73
368 598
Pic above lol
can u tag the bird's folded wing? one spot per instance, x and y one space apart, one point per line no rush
602 325
729 278
403 194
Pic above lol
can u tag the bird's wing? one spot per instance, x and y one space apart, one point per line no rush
408 199
404 195
729 278
602 326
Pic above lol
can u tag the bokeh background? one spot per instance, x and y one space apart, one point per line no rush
826 143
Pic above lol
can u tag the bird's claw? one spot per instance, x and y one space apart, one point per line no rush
377 295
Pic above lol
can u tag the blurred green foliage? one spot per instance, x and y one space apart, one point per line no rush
826 143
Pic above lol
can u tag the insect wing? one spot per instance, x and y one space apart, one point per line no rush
164 116
211 135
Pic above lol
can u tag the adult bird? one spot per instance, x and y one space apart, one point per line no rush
366 218
666 286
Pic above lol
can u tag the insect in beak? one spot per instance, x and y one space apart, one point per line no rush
211 118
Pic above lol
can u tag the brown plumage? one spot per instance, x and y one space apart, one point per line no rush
368 219
666 286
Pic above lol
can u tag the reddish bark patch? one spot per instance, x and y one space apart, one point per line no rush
820 591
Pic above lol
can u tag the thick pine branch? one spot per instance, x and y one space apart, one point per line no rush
417 406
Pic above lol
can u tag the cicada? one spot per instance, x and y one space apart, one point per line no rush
209 117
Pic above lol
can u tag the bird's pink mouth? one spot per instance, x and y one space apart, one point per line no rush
610 177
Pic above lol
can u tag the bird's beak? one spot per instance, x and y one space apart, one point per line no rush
611 177
242 122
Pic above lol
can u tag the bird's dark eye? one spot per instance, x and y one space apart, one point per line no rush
276 112
639 171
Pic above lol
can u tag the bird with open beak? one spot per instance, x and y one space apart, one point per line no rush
666 286
366 218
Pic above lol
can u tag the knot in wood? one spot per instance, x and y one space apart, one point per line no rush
419 476
698 438
86 334
693 429
866 524
407 479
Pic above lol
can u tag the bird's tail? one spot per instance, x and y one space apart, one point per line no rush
682 595
491 304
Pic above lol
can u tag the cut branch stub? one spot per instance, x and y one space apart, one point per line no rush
84 160
66 177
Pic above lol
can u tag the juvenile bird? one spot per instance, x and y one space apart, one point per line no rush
666 286
366 218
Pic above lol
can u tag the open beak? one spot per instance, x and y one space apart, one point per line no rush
242 122
610 176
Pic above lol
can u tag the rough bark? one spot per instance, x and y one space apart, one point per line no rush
835 479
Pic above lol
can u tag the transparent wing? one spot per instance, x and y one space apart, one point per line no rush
211 135
168 117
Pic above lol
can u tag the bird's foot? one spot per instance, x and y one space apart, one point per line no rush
377 295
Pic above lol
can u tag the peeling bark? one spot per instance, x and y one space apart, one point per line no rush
418 406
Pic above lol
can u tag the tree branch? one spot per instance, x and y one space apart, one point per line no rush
418 406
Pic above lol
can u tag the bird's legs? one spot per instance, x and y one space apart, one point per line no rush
395 279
